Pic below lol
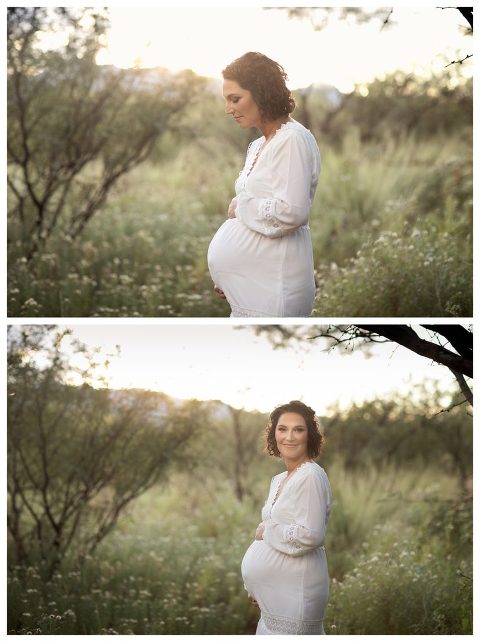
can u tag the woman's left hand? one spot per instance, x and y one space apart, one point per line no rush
259 532
232 208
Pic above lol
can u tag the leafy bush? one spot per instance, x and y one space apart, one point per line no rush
158 574
172 566
402 591
144 253
403 277
400 554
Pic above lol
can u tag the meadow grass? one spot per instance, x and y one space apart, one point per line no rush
391 229
398 546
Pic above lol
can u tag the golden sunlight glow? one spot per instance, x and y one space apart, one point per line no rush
236 366
205 39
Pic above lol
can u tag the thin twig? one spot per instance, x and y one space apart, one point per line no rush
459 62
460 403
386 20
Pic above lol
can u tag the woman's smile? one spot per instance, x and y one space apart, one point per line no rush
291 425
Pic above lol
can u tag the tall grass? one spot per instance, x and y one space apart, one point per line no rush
399 551
391 228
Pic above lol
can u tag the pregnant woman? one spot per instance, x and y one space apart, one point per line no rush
261 258
285 568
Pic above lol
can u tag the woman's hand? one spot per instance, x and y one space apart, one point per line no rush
259 532
252 600
232 208
219 292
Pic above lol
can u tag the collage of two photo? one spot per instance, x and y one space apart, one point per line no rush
239 320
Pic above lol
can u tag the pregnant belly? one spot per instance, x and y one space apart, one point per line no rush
263 565
247 267
261 276
237 249
290 587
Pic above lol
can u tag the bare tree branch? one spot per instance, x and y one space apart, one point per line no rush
464 387
406 337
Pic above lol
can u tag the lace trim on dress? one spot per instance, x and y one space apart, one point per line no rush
278 624
292 536
254 156
267 208
277 492
244 312
247 168
282 482
262 145
267 213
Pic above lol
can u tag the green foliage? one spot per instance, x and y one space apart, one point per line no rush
399 539
177 573
77 457
402 591
400 277
391 223
75 127
170 570
408 433
146 254
392 230
410 556
401 104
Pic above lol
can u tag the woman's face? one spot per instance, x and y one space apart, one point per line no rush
291 434
239 103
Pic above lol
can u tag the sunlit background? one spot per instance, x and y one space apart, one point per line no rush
238 367
344 53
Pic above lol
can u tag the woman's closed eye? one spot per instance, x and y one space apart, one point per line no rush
282 429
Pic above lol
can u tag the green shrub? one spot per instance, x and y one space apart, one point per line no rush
145 252
399 277
402 591
172 565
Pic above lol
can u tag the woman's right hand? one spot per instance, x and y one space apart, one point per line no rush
252 600
219 292
232 208
259 532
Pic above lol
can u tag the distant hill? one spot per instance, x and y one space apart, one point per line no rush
151 77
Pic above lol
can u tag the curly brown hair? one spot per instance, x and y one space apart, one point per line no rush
315 439
265 79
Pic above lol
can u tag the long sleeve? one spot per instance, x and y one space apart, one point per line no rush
288 208
310 501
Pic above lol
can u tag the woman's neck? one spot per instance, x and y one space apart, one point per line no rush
294 464
270 127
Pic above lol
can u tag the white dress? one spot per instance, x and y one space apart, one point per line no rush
262 259
286 572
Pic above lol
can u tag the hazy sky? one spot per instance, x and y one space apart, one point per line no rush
213 361
205 39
